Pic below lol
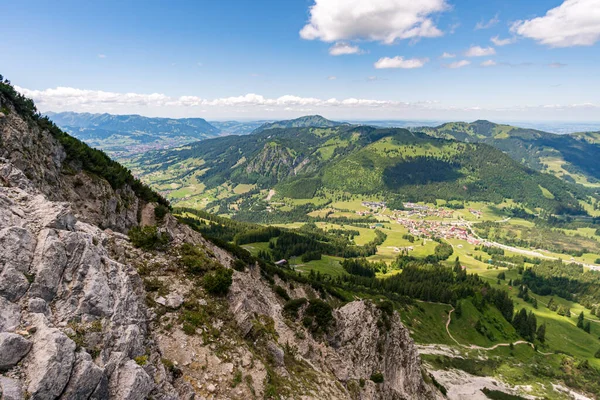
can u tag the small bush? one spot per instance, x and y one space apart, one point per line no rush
160 211
239 265
321 313
141 360
218 281
195 260
147 238
377 377
292 307
281 292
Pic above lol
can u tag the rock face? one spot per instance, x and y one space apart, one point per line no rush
71 317
43 159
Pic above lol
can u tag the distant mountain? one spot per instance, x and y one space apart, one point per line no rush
389 163
126 134
193 127
307 121
237 127
571 157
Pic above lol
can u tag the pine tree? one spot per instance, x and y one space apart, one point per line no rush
541 333
587 327
580 321
532 325
458 309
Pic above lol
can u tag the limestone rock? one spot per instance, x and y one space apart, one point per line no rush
10 315
84 379
130 382
37 305
10 389
13 348
51 361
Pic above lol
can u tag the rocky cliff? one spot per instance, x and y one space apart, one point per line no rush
86 315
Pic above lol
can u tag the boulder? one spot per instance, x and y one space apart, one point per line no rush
84 379
130 382
13 348
10 389
37 305
51 361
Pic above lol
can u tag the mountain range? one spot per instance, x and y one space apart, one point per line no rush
571 157
392 163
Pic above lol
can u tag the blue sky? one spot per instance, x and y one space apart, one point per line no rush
272 59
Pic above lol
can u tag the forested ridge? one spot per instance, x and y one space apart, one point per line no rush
394 164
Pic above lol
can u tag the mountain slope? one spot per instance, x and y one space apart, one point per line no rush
569 157
118 134
307 121
393 163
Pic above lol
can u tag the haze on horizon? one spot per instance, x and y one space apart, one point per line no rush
393 59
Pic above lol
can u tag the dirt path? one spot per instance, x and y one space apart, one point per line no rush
473 346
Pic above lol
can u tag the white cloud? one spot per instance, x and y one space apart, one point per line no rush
478 51
383 21
557 65
488 63
257 106
400 62
448 55
331 77
101 55
458 64
573 23
343 48
502 42
453 28
200 64
488 24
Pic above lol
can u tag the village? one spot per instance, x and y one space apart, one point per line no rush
417 219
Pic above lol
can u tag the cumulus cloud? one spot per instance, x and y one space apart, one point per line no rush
343 48
488 24
448 55
78 99
502 42
458 64
573 23
400 62
255 105
488 63
478 51
384 21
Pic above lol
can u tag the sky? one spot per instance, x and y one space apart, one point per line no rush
534 60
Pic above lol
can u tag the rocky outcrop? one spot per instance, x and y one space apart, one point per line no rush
72 319
37 153
276 161
364 345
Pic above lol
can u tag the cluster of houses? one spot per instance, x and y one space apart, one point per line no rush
373 204
419 210
440 229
